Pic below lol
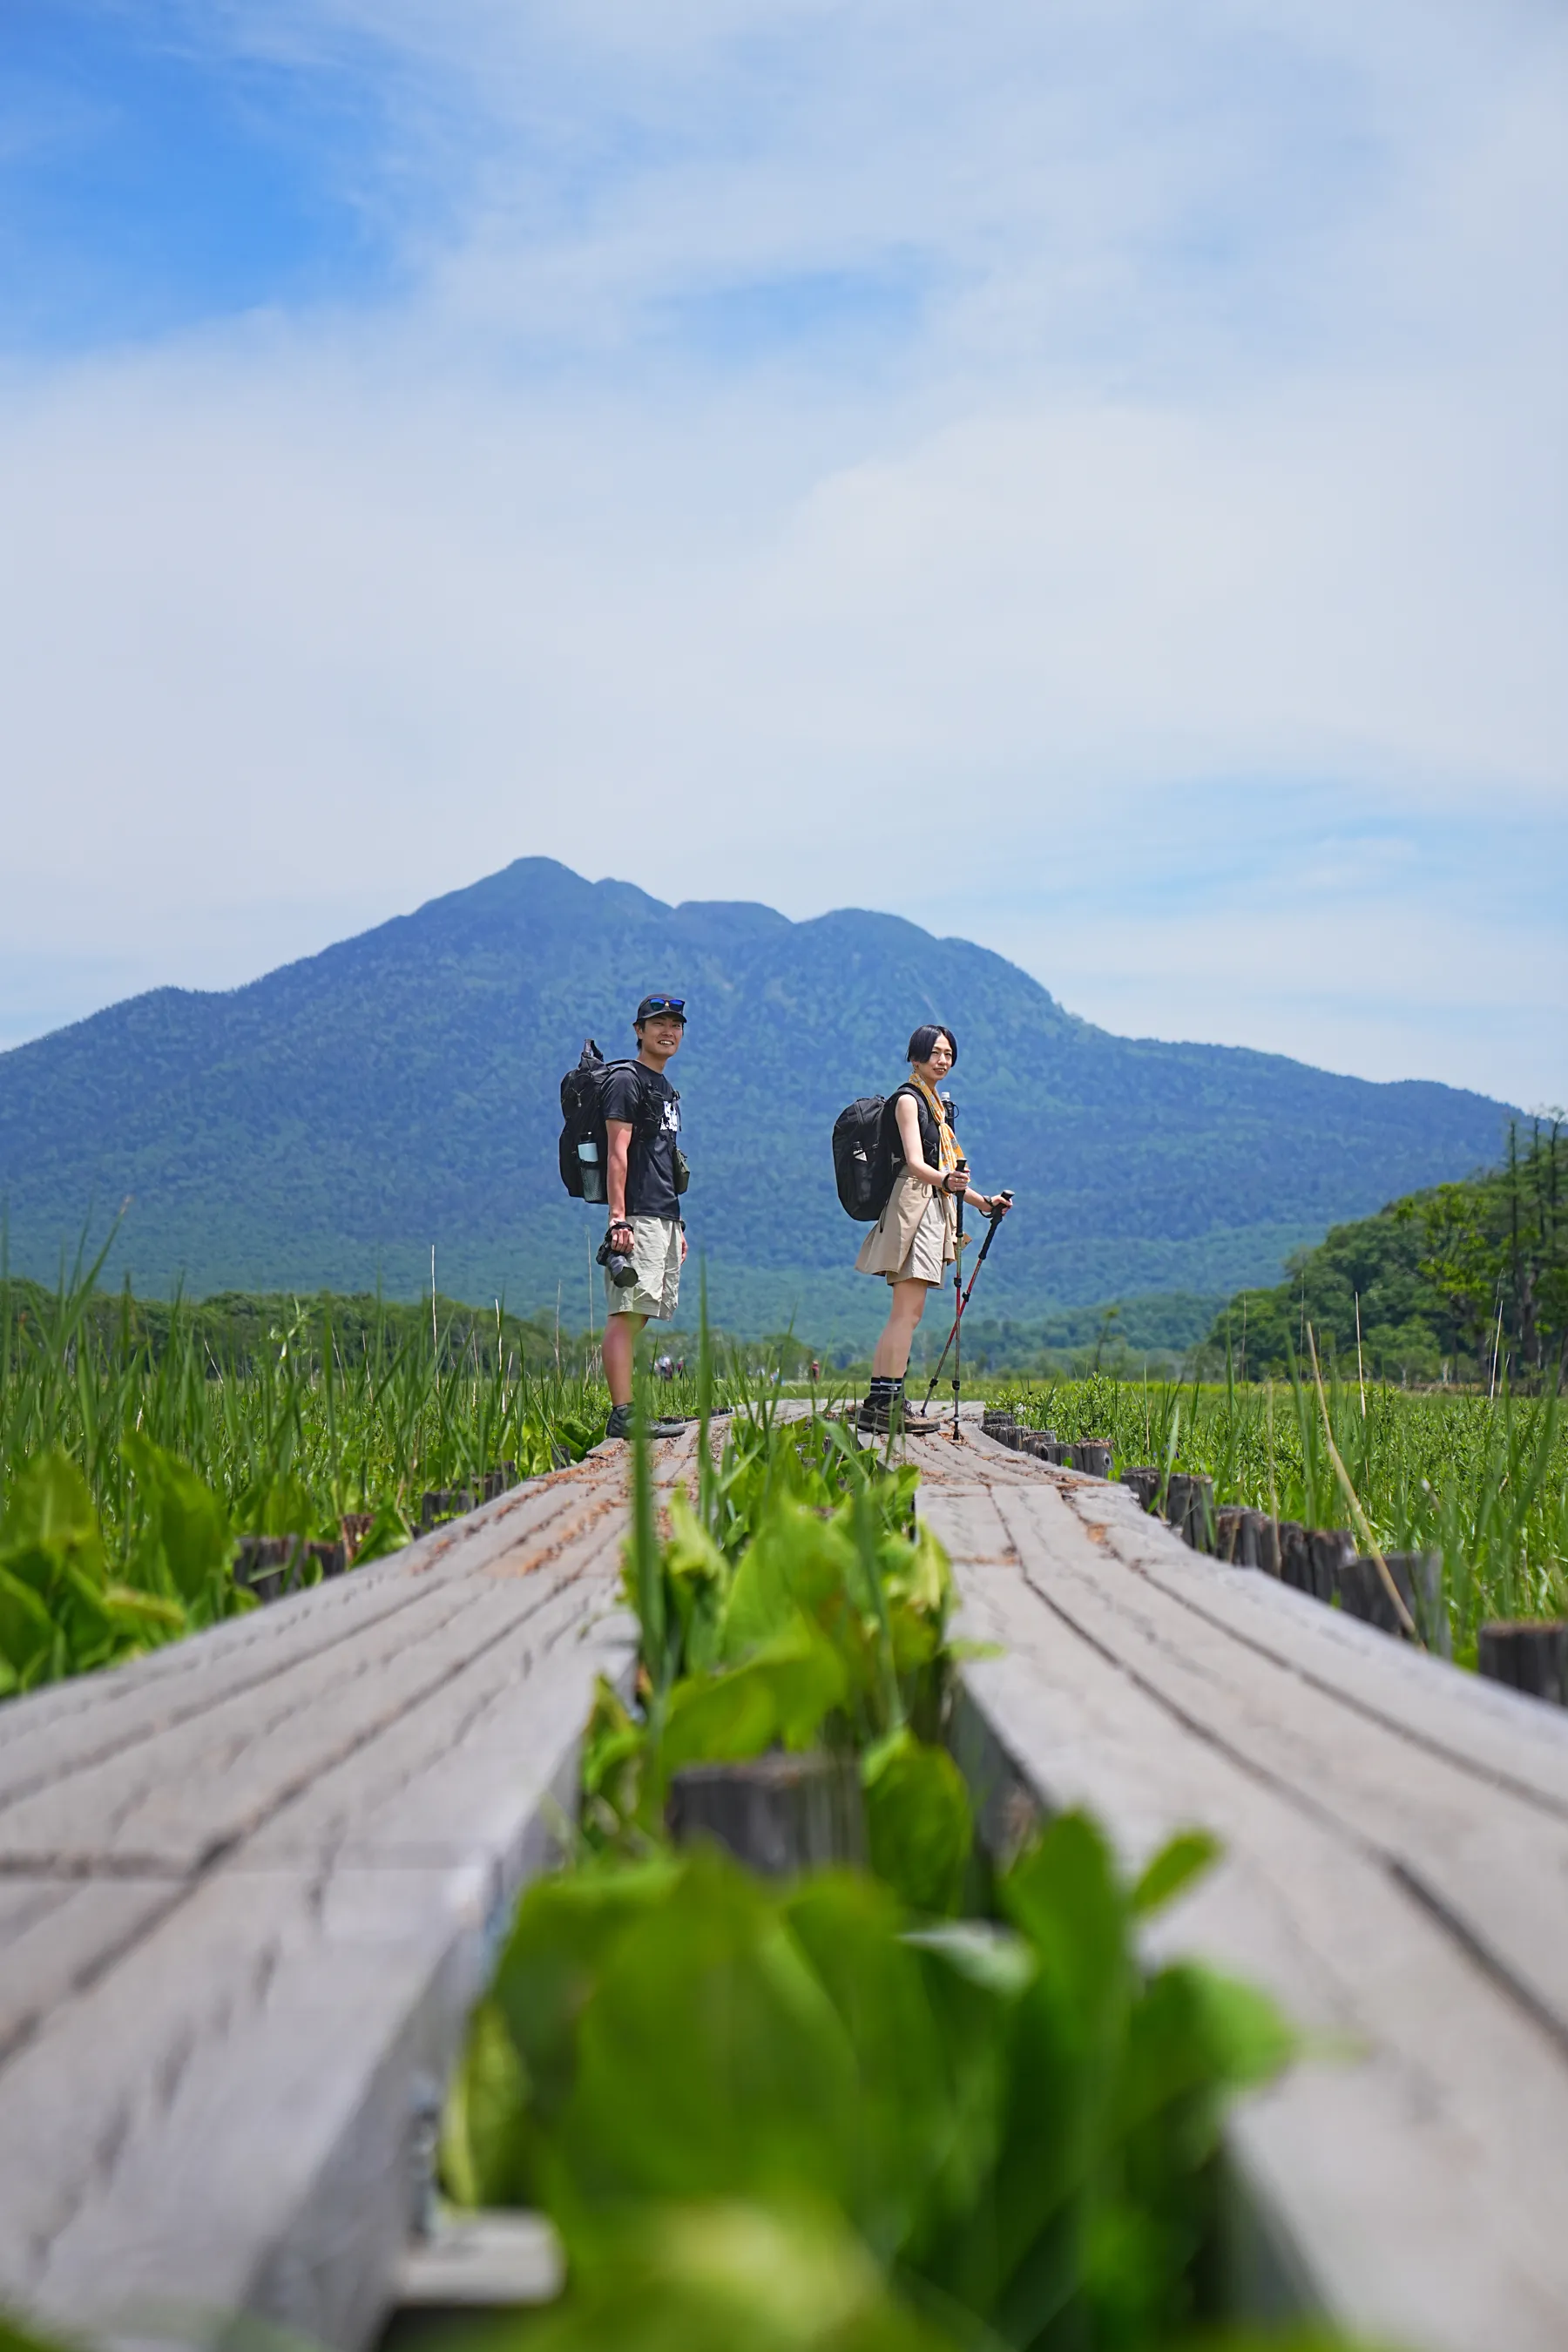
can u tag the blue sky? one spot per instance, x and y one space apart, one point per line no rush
154 181
1091 478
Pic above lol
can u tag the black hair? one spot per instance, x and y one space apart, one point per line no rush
923 1040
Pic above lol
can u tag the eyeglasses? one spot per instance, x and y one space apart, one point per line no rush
665 1004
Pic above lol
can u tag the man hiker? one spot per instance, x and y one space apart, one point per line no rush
645 1175
914 1240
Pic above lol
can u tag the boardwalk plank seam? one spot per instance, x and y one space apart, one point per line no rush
1373 1840
1164 1572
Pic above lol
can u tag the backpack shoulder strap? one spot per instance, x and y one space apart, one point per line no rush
929 1145
648 1117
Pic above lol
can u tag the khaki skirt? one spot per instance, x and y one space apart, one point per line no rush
912 1240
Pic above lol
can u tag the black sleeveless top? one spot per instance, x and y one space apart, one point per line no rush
931 1145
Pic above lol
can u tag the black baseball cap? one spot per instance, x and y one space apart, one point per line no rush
652 1005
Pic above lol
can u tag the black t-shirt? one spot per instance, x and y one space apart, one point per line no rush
649 1104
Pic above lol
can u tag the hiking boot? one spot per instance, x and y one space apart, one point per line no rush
892 1417
621 1423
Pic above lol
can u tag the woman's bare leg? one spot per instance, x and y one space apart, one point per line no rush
890 1358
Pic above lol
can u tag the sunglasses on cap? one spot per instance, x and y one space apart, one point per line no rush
652 1005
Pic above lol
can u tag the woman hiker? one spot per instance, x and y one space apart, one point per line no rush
914 1240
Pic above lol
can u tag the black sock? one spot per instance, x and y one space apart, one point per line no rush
881 1386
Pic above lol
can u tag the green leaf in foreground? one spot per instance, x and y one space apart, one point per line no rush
50 1528
185 1537
566 1928
53 1615
781 1695
709 2061
482 2155
725 2276
697 1577
1187 1856
613 1749
918 1823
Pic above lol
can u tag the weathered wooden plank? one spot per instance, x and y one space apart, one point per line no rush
226 2116
78 1723
1499 1865
972 1527
175 1803
294 1843
938 1456
1410 2185
23 1901
978 1452
1477 1727
170 1801
55 1934
238 2091
442 1784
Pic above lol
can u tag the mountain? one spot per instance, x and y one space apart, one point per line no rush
326 1125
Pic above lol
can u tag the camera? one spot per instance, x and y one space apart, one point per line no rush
622 1270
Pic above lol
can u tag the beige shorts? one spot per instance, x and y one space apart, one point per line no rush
912 1239
927 1258
656 1252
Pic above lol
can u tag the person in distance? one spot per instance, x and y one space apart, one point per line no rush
645 1176
914 1240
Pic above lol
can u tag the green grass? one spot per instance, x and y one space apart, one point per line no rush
1483 1481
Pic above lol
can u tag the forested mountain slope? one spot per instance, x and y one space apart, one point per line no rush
1464 1281
325 1125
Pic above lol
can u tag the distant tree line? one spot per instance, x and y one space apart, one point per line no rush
237 1328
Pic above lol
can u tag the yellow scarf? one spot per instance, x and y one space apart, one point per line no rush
947 1142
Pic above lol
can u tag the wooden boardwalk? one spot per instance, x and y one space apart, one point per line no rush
249 1885
1395 1870
248 1888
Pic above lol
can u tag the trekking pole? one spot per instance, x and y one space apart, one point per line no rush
958 1304
985 1249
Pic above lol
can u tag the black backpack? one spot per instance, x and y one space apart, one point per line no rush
583 1146
867 1154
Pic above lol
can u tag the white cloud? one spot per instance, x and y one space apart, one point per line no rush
1208 429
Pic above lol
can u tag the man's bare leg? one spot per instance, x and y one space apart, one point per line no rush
617 1347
